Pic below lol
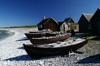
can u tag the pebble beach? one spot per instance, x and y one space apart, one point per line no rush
12 53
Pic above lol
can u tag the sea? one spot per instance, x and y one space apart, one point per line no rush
4 34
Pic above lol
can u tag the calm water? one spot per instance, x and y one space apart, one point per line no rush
4 34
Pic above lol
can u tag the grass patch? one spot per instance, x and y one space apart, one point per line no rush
93 45
95 38
76 23
88 51
76 29
96 46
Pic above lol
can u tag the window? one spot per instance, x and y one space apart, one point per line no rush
40 26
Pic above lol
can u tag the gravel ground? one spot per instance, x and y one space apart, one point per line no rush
12 53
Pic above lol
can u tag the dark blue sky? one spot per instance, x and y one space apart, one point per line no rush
30 12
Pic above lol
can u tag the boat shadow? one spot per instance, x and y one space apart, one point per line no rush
27 57
96 38
91 59
20 58
20 48
78 35
23 39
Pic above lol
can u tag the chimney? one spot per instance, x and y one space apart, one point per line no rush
43 17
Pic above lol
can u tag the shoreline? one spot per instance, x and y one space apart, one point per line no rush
12 53
9 32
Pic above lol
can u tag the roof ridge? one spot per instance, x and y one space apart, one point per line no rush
87 14
98 8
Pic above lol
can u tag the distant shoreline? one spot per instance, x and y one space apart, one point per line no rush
8 31
31 26
13 31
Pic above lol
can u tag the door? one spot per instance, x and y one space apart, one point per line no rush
63 27
51 27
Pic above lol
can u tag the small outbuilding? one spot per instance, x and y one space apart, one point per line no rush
84 23
95 22
48 23
67 24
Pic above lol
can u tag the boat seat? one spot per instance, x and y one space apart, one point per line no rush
51 46
74 40
69 43
58 42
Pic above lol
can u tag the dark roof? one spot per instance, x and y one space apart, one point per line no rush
60 23
43 21
88 16
67 19
96 14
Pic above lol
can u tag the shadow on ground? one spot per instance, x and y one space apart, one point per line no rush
78 35
27 57
20 48
23 39
20 58
91 59
96 38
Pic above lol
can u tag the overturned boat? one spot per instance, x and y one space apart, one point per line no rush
41 34
36 51
46 34
31 35
50 39
41 31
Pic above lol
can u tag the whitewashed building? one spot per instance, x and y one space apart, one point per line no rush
67 24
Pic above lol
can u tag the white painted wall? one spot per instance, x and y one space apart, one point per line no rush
62 27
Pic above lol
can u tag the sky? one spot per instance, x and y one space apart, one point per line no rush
31 12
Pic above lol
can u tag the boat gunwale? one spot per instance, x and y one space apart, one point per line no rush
50 38
32 46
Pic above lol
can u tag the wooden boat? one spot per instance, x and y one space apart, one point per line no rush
51 39
30 35
53 49
41 31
